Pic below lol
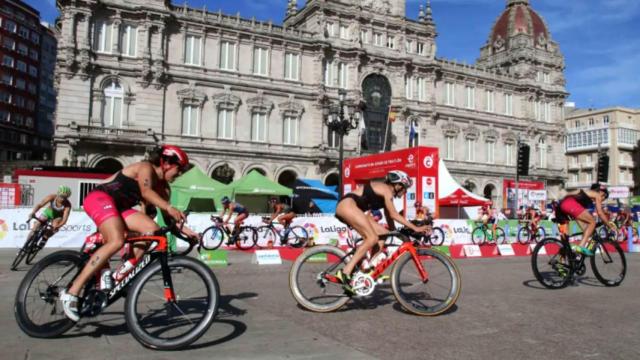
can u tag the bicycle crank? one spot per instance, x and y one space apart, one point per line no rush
363 284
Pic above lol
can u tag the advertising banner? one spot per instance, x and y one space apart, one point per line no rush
618 192
420 163
529 194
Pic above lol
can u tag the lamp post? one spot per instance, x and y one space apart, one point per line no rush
341 122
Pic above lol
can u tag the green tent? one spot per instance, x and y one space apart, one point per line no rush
196 191
254 189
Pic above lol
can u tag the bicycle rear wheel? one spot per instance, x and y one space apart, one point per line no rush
308 283
541 234
609 263
297 236
437 236
36 246
551 263
426 298
37 308
266 237
499 237
212 238
167 325
247 238
478 236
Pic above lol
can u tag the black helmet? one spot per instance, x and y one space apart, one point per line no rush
225 200
601 188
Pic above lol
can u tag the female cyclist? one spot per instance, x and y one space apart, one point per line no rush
373 195
281 211
576 205
110 206
57 210
231 207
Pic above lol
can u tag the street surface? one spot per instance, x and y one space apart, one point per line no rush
502 313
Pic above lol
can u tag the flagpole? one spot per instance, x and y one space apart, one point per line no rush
386 130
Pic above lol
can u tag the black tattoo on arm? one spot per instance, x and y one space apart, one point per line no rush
146 183
95 261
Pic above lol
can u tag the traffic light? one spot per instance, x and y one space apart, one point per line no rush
523 159
603 167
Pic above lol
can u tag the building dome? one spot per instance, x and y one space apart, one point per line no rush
518 19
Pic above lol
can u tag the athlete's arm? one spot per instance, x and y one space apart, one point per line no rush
65 217
596 196
146 182
392 214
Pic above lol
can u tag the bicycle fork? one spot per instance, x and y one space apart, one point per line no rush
169 294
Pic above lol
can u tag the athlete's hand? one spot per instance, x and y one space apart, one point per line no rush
176 214
422 229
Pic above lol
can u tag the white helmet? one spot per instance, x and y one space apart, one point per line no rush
398 177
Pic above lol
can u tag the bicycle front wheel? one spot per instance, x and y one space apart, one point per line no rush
437 236
297 236
266 237
478 236
163 324
37 308
609 263
551 263
212 238
308 280
524 235
431 297
35 248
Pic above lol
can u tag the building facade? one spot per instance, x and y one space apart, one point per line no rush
240 94
615 131
23 134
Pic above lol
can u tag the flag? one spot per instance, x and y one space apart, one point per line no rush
393 113
413 133
362 132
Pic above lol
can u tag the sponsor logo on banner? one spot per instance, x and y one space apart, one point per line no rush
267 257
411 161
428 162
472 251
506 250
347 171
4 229
618 192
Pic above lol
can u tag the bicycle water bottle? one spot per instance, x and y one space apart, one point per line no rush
106 281
124 269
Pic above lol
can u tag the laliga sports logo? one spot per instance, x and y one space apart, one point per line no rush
4 229
446 228
347 171
428 162
312 231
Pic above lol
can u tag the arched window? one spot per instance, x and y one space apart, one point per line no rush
112 104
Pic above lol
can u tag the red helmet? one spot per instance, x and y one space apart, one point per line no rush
175 155
418 204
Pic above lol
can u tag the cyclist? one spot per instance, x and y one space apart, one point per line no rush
576 205
487 216
281 211
231 206
57 211
534 217
110 205
351 211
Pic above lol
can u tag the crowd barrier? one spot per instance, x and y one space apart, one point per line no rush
324 229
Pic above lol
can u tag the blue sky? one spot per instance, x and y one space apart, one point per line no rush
600 39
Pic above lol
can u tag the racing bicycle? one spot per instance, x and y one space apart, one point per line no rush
244 238
483 233
530 234
34 243
424 280
555 265
171 301
271 233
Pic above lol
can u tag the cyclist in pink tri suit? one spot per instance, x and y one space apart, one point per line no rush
576 205
110 205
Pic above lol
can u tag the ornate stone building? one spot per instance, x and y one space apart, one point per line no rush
240 94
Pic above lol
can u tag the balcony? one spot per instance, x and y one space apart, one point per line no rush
587 165
578 184
626 164
573 166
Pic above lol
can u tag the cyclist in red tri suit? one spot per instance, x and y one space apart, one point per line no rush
110 205
351 211
576 205
281 211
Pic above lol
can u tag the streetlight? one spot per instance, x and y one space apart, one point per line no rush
341 123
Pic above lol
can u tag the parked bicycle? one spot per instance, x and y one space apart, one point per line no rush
530 233
273 233
244 238
171 301
34 243
483 234
555 264
424 280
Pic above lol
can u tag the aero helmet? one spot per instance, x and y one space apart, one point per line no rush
399 177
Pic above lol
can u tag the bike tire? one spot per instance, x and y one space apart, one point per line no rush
445 277
478 236
524 235
500 237
437 236
541 234
177 265
297 236
557 255
247 238
266 237
34 250
304 269
73 261
22 253
212 238
606 253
